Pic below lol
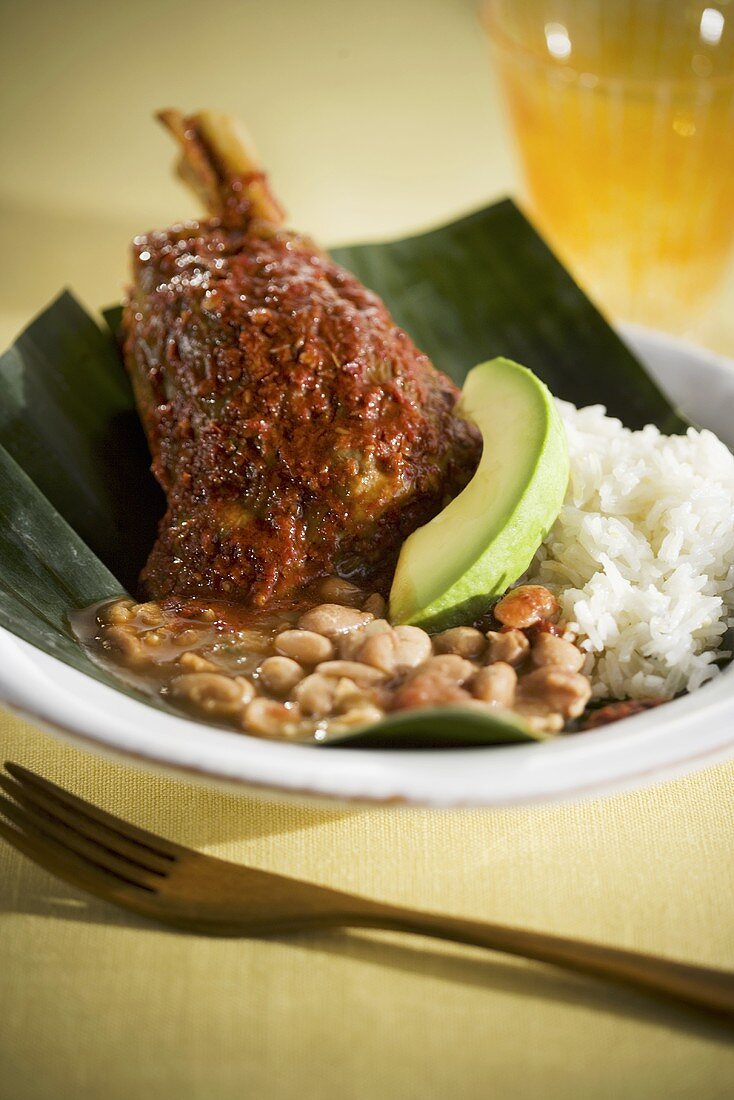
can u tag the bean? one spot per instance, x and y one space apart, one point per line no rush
269 717
126 644
213 694
149 614
354 670
551 651
305 646
393 650
525 605
331 619
496 684
336 590
245 686
347 694
194 662
510 646
115 613
315 694
350 644
365 714
378 650
539 718
427 689
375 604
186 637
465 641
280 674
413 648
449 666
565 692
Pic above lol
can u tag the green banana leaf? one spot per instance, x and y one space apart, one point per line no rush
488 285
439 727
68 418
79 507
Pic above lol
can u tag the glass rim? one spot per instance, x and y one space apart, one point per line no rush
501 38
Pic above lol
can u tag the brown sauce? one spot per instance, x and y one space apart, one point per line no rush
331 662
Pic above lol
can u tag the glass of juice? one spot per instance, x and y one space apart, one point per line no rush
623 112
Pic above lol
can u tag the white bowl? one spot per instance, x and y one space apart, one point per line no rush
681 736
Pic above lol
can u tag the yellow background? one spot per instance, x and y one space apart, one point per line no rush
375 119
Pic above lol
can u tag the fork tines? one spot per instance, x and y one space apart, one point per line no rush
79 842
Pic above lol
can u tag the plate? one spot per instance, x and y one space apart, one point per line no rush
689 733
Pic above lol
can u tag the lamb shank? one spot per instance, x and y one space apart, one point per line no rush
295 429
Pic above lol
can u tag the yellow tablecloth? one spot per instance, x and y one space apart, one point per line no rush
97 1004
376 118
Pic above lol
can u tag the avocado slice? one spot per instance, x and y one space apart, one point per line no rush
450 570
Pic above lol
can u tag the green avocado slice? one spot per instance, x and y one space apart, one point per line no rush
451 570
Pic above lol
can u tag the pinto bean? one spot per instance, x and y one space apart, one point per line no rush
496 684
350 644
125 642
378 650
246 687
413 648
315 694
336 590
115 613
364 714
510 646
361 674
149 614
213 694
347 694
428 689
525 605
305 646
465 641
375 604
391 650
557 652
331 619
270 718
280 674
449 666
539 718
564 692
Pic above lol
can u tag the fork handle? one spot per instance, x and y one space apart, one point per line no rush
697 985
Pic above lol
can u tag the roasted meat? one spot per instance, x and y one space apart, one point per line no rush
295 429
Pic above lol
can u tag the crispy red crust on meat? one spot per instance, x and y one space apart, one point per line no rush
295 429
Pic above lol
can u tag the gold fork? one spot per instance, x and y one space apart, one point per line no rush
120 863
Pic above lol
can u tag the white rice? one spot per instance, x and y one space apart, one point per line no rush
642 554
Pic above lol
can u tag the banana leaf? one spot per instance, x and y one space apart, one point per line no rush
79 506
488 286
68 418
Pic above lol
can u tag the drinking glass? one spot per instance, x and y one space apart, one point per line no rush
623 113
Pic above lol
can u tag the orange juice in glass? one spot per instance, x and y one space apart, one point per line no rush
623 112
